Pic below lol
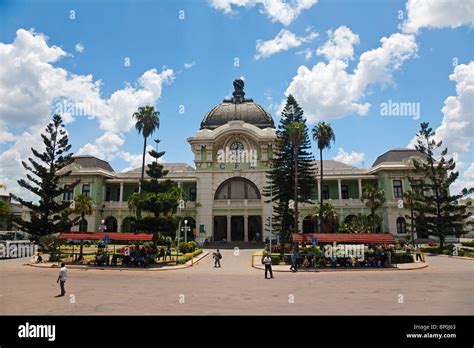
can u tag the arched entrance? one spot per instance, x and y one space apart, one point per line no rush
241 228
255 228
220 228
111 224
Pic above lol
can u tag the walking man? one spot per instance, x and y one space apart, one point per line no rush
62 278
294 258
217 258
267 261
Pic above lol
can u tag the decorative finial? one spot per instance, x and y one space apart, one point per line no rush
239 93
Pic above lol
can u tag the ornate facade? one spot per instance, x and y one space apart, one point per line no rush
223 190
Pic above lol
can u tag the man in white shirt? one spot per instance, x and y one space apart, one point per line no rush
267 260
62 278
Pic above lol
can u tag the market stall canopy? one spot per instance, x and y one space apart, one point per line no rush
111 236
352 238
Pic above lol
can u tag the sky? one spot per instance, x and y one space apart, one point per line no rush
373 69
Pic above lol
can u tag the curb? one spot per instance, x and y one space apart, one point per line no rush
188 264
453 257
425 265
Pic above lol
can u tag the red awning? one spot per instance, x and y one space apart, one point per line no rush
355 238
111 235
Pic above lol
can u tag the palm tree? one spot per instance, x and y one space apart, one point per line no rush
328 215
409 201
83 205
373 198
296 131
147 121
322 135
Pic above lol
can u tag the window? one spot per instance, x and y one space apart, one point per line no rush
417 186
86 189
192 194
325 191
107 194
345 191
68 195
397 189
237 188
401 225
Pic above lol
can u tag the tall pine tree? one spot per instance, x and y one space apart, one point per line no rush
442 215
49 214
282 175
159 197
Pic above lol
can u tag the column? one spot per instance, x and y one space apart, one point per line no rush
121 193
339 189
229 235
360 187
246 228
119 222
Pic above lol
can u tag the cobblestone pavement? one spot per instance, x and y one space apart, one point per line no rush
445 287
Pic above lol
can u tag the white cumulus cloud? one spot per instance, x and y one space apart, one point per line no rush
33 87
328 90
340 44
457 127
189 65
281 11
79 47
282 42
353 158
438 14
104 147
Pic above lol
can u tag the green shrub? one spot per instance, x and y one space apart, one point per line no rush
275 259
468 244
402 258
187 247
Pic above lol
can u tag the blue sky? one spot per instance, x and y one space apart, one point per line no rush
209 37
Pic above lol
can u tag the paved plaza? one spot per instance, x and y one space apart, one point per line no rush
445 287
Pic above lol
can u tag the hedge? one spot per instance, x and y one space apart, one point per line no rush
402 258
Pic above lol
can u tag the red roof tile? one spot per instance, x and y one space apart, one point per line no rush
356 238
112 236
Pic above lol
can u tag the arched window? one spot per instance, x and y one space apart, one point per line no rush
127 225
401 225
237 188
111 224
349 218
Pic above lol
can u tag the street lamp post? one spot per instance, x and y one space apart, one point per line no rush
185 230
